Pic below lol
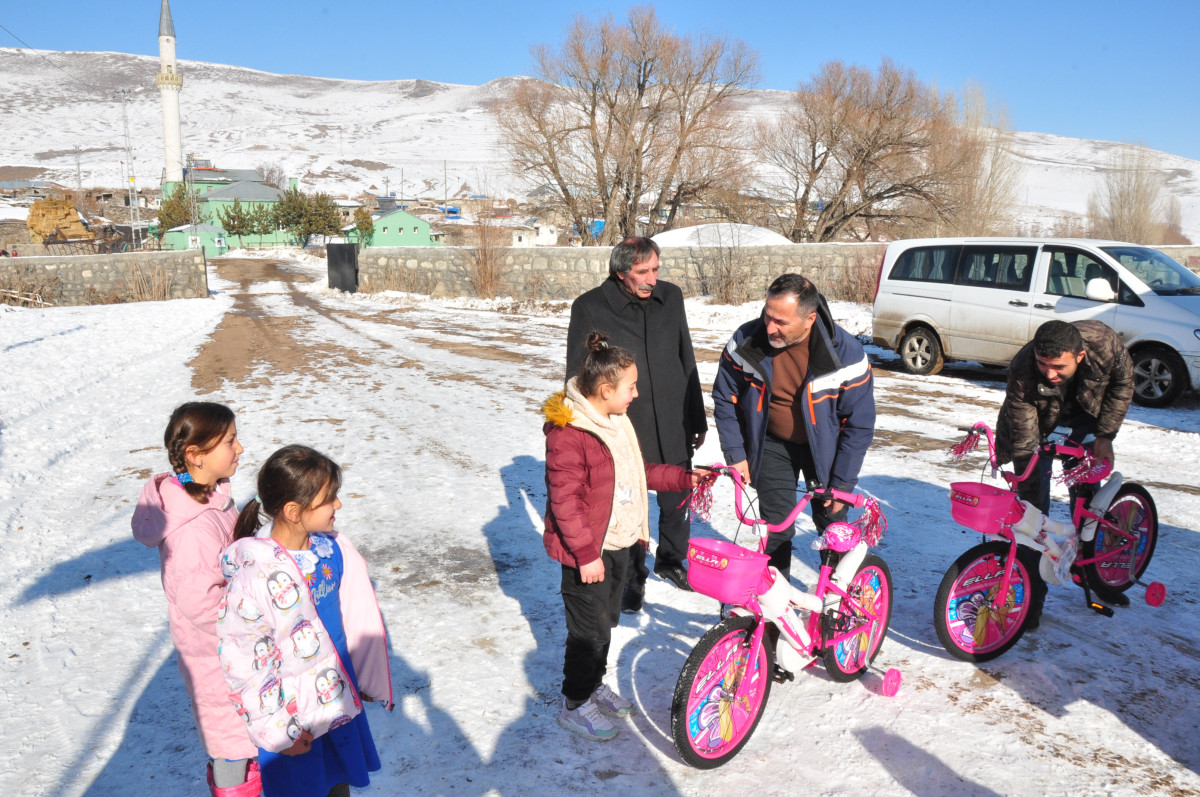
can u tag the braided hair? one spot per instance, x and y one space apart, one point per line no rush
602 365
202 424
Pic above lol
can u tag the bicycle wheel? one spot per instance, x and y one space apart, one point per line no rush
970 624
872 588
1132 511
718 702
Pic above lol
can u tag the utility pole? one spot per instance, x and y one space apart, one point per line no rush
78 173
134 217
445 186
385 186
401 183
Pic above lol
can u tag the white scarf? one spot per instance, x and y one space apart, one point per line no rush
628 521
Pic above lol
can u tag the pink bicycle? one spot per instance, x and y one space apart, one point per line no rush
983 601
723 689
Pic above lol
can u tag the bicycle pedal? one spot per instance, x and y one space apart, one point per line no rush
780 675
835 624
1100 608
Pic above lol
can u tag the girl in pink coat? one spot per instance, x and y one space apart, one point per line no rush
188 514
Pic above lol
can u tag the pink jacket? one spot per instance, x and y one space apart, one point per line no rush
190 536
284 675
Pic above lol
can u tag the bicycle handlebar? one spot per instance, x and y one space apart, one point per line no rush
830 493
1067 448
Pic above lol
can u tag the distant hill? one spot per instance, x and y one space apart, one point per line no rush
346 136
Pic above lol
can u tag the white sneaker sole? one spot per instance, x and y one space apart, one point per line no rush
575 729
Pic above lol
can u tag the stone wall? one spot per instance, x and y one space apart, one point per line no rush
93 279
841 271
1187 255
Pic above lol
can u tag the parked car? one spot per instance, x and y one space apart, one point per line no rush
982 299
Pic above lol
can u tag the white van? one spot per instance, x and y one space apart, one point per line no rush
982 299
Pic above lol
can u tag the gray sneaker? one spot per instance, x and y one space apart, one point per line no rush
610 703
587 721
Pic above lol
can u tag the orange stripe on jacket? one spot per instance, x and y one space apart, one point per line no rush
812 415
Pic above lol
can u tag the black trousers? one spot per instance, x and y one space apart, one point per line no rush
782 465
592 610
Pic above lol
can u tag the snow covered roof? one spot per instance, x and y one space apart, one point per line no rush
383 216
209 175
197 228
246 192
9 213
721 234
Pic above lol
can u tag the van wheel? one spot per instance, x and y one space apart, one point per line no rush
920 352
1159 376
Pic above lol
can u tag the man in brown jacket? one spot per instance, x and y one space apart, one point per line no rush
1075 379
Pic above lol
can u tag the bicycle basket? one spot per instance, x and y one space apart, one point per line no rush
986 509
727 572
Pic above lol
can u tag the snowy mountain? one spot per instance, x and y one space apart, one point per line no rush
343 136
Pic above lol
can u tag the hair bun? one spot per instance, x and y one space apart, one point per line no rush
597 341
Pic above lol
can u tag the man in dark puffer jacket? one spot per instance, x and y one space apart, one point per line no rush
1074 377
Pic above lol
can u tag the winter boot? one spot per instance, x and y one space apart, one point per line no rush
251 788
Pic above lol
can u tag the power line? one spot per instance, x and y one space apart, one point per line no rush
89 88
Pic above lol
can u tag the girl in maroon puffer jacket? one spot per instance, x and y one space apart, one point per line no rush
596 510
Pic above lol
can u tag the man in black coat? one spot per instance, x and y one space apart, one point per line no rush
646 316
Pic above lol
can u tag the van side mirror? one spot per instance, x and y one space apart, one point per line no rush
1099 290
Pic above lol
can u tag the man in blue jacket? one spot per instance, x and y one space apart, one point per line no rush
794 395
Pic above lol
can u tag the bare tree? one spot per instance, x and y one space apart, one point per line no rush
626 119
486 265
981 172
273 174
856 150
1130 206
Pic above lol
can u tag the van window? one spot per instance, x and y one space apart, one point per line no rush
1070 270
926 264
1164 276
1008 268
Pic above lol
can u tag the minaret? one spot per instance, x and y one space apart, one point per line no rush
169 84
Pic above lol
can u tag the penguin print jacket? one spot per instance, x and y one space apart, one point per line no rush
284 673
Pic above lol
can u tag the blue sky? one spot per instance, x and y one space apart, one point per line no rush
1105 70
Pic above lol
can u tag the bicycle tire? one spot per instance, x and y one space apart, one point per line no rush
960 604
710 724
850 658
1132 509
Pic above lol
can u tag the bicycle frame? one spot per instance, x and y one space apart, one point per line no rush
782 598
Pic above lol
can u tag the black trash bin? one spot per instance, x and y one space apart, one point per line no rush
342 260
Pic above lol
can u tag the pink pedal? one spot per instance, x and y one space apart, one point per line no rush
1156 593
891 682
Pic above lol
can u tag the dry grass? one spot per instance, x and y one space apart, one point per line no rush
724 273
152 285
486 264
93 296
862 276
29 290
401 278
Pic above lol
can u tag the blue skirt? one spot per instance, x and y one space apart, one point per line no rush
344 755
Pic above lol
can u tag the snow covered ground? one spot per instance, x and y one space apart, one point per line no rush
433 408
